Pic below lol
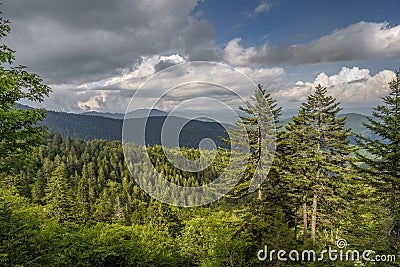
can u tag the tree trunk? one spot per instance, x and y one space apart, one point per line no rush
314 217
295 223
259 159
395 228
315 197
305 218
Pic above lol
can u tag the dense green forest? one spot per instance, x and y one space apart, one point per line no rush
70 202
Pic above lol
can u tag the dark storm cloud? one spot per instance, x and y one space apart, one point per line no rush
198 39
79 41
163 64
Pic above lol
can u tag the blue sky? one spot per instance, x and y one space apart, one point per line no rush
95 54
288 22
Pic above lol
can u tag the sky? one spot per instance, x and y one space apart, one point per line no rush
95 54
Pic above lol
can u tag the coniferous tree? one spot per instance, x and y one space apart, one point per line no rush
320 147
382 165
295 162
261 115
83 204
58 195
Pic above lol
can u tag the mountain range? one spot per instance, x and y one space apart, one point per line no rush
108 126
139 113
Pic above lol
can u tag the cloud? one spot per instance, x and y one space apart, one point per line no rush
168 61
114 94
358 41
237 55
79 41
198 40
271 78
262 7
350 85
95 54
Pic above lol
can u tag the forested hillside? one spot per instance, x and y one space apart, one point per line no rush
89 127
108 126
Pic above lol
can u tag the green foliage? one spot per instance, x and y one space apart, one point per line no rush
258 122
104 219
29 239
78 205
20 227
381 167
215 240
19 129
58 195
317 146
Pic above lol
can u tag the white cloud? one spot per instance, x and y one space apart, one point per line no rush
93 103
349 86
271 78
262 7
236 55
358 41
114 94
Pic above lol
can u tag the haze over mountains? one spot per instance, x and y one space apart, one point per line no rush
139 113
108 126
286 114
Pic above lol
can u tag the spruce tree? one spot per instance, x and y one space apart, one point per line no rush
382 164
261 110
83 204
320 146
294 168
58 195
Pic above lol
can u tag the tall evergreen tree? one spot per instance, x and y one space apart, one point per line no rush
382 164
320 144
261 110
58 195
83 204
294 168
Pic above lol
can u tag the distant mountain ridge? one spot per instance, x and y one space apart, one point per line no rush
139 113
89 127
98 125
144 112
118 116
